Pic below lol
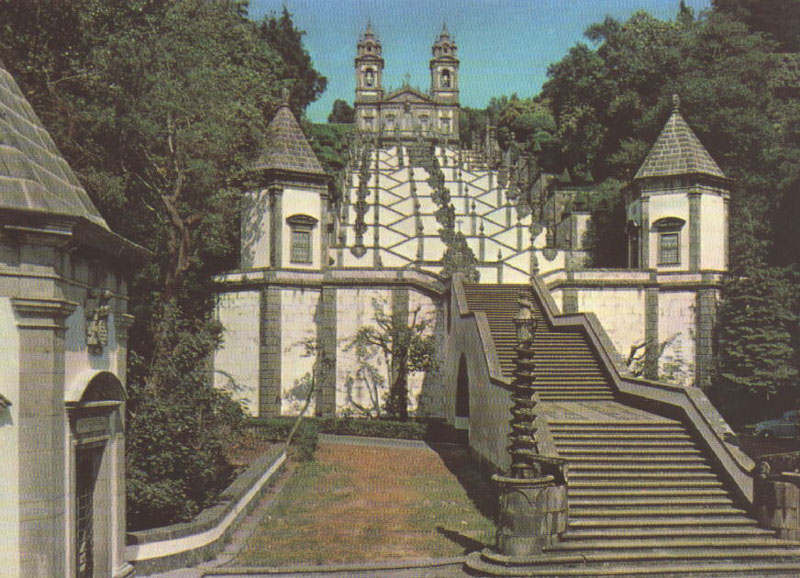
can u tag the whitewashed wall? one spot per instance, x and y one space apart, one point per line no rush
676 322
621 311
354 310
236 362
9 442
298 311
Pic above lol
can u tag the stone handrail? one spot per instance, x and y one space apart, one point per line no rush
543 436
692 403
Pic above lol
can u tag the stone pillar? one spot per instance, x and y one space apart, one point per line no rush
651 332
532 513
694 231
726 232
705 313
326 343
645 233
42 430
570 300
269 355
276 227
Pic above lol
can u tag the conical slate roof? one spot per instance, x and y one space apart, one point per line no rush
678 151
33 174
286 147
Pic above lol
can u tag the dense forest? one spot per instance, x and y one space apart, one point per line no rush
160 106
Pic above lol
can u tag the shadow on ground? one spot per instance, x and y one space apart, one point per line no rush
478 486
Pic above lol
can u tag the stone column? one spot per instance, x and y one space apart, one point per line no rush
326 322
651 331
42 427
645 233
705 313
694 231
269 355
276 227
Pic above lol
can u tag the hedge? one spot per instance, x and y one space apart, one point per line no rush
276 429
305 442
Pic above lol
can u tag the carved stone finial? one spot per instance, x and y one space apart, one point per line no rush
676 103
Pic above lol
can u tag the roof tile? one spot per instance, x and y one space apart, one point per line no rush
33 174
678 151
286 147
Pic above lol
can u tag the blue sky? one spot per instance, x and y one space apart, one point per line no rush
505 46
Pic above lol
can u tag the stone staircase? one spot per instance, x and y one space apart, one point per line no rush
644 497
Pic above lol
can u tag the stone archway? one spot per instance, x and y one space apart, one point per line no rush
462 395
96 411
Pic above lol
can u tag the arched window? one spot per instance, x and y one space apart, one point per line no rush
462 389
669 240
445 78
301 227
369 78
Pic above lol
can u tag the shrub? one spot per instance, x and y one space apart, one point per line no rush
378 428
276 429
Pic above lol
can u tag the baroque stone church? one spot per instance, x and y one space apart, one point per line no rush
315 269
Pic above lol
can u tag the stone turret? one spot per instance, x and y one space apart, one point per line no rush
680 217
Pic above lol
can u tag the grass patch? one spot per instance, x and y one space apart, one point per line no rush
359 503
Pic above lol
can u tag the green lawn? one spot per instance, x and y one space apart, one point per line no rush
359 503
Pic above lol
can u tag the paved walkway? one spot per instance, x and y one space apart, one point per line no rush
222 565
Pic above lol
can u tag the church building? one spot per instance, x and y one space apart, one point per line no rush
316 269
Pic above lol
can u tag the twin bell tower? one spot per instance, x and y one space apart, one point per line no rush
407 113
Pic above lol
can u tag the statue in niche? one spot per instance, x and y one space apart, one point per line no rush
369 78
97 311
445 79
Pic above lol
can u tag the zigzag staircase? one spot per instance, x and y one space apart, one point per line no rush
644 497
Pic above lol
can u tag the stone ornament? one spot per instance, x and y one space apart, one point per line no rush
98 309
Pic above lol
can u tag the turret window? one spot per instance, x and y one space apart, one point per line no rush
669 240
301 246
369 78
669 250
445 79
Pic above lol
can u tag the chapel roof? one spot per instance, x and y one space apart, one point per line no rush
286 147
34 177
678 151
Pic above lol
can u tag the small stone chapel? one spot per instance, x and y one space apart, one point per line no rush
64 327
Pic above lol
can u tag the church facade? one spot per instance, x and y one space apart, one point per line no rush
314 269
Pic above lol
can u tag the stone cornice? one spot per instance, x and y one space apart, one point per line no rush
42 313
257 278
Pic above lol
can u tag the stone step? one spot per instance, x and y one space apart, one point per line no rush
634 521
701 512
590 450
643 533
673 483
612 468
609 476
700 541
663 568
638 438
661 493
652 427
643 501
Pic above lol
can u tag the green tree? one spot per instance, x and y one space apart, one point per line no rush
342 112
406 345
758 372
306 84
160 107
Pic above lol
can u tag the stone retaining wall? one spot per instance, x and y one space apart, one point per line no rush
189 543
777 504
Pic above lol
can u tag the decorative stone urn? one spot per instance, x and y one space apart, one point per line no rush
532 509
